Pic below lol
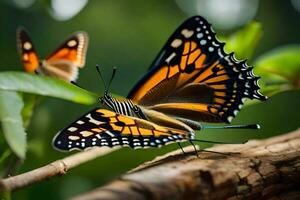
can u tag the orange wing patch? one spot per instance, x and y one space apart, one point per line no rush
193 111
191 62
102 127
30 61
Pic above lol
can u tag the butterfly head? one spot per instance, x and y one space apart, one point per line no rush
106 99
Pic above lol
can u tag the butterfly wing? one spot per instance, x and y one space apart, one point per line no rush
102 127
192 75
29 57
73 49
64 62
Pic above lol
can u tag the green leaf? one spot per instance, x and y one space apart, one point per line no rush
11 105
279 68
46 86
244 41
30 101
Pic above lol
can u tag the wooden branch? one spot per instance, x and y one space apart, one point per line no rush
56 168
256 170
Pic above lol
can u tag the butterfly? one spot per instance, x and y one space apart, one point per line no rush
63 63
192 80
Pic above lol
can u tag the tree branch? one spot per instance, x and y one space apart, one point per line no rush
262 169
56 168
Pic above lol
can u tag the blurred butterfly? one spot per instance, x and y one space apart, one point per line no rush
192 80
63 63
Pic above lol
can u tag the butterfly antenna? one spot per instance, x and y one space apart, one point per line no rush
246 126
217 142
112 77
99 72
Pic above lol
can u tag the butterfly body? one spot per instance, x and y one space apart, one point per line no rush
128 108
192 80
63 63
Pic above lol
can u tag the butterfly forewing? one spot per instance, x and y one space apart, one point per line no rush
102 127
193 68
27 52
73 50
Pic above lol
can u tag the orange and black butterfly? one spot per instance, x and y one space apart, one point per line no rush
63 63
192 80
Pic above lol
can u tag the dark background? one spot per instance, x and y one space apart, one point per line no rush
128 35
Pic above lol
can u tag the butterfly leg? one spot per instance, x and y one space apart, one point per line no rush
216 142
196 151
181 148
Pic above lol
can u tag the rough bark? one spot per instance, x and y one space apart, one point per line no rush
260 169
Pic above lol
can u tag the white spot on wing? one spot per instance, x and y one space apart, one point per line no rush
235 112
27 45
199 35
80 122
98 136
72 43
73 137
229 118
176 43
170 57
72 129
203 42
92 120
187 33
110 133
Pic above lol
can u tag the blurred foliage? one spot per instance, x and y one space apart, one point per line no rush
243 42
279 69
128 35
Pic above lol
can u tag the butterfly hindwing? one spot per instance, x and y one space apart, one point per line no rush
194 61
101 127
29 57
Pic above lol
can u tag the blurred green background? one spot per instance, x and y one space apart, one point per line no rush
128 35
